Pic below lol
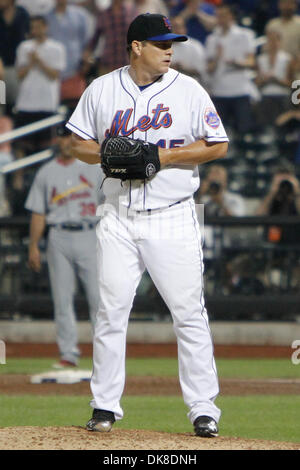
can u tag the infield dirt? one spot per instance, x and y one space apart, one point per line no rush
146 385
77 438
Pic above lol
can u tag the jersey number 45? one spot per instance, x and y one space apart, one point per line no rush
173 143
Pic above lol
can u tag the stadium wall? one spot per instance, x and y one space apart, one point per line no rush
224 333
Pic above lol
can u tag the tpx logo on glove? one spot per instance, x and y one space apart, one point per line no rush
118 170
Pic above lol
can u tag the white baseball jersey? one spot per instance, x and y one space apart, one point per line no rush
173 111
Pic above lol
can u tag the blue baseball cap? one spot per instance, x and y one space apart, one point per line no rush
152 27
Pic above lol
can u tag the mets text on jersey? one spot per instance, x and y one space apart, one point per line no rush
161 118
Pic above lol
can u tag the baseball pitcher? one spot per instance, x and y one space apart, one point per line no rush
150 127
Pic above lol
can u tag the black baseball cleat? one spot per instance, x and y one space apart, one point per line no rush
101 421
205 426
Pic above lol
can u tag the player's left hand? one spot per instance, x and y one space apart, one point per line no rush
34 258
124 158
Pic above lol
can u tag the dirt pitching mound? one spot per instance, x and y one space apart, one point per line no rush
77 438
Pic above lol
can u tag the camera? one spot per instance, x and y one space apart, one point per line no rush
286 188
214 187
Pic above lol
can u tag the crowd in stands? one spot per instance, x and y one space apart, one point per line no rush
246 54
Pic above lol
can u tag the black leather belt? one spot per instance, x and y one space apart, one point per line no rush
74 227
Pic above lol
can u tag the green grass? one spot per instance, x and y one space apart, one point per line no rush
257 368
34 366
254 416
227 368
259 417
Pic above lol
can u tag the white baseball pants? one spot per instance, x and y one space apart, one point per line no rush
167 242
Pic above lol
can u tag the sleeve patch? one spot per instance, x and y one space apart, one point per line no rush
211 118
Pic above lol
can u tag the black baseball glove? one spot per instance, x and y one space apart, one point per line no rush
129 159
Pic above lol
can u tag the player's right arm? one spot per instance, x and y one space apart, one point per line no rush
83 126
37 227
88 151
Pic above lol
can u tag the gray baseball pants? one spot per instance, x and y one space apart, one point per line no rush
71 255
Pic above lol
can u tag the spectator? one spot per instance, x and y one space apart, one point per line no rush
230 54
6 156
188 57
283 199
112 26
288 123
151 6
14 27
199 17
40 61
218 201
69 25
273 79
256 13
37 7
289 126
216 197
89 9
263 11
288 25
